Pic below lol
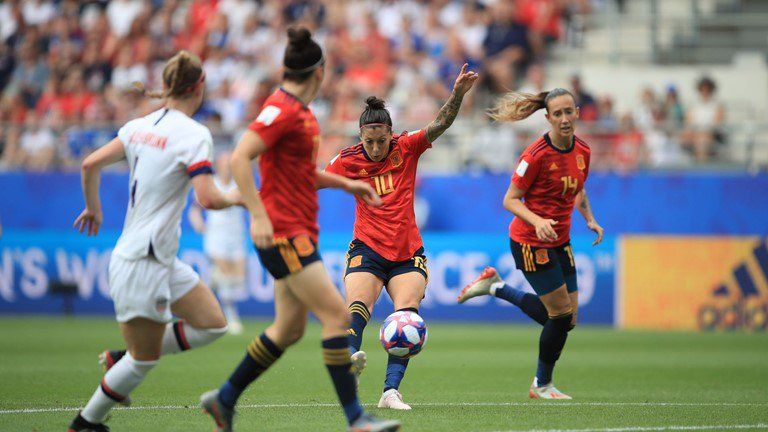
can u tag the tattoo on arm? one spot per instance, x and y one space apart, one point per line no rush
444 118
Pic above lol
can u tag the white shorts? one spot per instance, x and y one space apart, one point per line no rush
147 288
230 248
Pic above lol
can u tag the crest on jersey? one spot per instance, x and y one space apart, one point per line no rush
542 257
356 261
363 173
303 246
580 162
396 159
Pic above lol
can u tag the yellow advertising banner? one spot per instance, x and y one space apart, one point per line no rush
707 283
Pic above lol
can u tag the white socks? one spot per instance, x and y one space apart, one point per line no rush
180 336
117 384
495 286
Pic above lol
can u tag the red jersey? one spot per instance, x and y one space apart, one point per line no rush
288 171
390 230
551 178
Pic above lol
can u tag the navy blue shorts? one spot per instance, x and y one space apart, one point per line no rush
361 258
546 269
289 256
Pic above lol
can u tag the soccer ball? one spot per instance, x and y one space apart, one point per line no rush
403 334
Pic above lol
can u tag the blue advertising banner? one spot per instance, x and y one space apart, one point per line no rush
31 261
51 201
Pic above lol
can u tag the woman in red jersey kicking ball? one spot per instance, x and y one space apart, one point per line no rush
285 137
550 178
387 249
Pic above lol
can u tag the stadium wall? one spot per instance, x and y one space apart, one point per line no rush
638 272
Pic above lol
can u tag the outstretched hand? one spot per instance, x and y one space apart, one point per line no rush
464 81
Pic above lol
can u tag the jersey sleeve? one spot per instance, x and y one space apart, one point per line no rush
271 124
197 157
336 166
125 132
526 172
416 141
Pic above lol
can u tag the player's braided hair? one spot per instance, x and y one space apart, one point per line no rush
375 113
515 106
182 73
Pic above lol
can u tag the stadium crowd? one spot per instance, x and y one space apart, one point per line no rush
67 70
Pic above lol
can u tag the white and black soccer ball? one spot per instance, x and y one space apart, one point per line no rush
403 334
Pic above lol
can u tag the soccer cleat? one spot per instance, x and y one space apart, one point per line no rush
107 359
222 415
369 423
359 362
392 399
79 424
547 391
235 328
481 285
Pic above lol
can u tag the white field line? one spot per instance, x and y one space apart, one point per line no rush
652 428
432 404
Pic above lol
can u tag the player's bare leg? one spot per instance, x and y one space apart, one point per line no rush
406 291
201 322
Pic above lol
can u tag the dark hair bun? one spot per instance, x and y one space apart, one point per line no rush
374 103
299 37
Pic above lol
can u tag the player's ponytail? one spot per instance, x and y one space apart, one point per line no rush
515 106
375 113
182 73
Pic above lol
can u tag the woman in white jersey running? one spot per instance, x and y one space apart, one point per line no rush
224 244
167 153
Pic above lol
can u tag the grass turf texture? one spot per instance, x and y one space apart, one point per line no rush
617 379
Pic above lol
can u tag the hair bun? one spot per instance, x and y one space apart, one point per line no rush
299 36
374 103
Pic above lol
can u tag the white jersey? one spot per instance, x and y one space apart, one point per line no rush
164 150
224 236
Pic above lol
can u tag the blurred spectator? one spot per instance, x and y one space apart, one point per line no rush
703 122
38 12
646 112
127 71
29 76
606 117
237 13
121 14
38 145
674 112
12 156
584 100
507 47
10 18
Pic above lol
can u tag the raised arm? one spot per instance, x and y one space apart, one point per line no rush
90 219
251 146
582 203
450 110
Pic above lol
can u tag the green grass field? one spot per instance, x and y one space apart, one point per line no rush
469 378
